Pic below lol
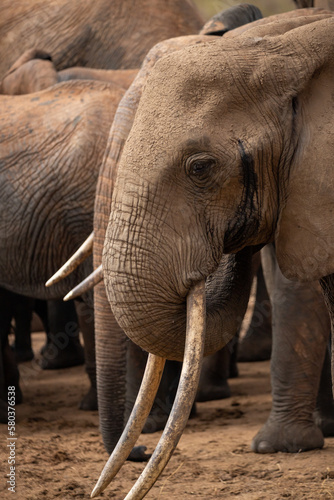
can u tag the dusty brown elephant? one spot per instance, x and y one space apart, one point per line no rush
216 166
52 145
109 34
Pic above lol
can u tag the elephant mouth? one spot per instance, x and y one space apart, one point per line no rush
192 362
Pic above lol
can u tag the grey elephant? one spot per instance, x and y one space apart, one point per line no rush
220 161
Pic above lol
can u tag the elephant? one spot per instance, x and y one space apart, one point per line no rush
34 71
104 34
217 164
46 209
256 344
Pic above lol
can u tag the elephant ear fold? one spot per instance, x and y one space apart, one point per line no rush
305 235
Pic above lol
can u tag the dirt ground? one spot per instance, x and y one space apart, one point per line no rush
59 453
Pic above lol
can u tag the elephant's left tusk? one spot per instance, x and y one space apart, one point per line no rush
93 279
137 419
79 256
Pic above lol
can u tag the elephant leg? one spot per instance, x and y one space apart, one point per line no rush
324 414
9 373
300 334
63 347
23 315
213 382
136 362
41 309
256 345
85 315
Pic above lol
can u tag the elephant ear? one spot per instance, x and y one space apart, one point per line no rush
305 236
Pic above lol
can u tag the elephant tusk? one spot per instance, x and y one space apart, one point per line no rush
193 356
79 256
93 279
137 419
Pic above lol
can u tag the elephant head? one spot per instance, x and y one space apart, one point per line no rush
218 159
230 149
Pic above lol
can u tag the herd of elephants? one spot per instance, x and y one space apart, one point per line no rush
193 157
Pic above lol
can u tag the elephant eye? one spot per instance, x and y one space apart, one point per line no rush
199 167
200 170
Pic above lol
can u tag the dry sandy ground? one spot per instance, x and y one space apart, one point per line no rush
59 453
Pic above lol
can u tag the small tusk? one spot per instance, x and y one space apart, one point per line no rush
93 279
185 396
79 256
137 419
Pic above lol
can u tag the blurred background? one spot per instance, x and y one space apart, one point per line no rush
267 7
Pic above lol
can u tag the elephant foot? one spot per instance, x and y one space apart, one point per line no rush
89 401
157 419
56 357
219 389
138 454
255 346
285 437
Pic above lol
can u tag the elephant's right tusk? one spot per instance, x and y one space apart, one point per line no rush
87 284
138 417
79 256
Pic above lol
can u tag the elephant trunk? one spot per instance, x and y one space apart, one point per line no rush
148 294
155 251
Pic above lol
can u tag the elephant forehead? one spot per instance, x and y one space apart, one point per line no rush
199 87
196 74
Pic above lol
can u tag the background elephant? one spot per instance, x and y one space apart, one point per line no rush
204 173
35 71
48 177
109 34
